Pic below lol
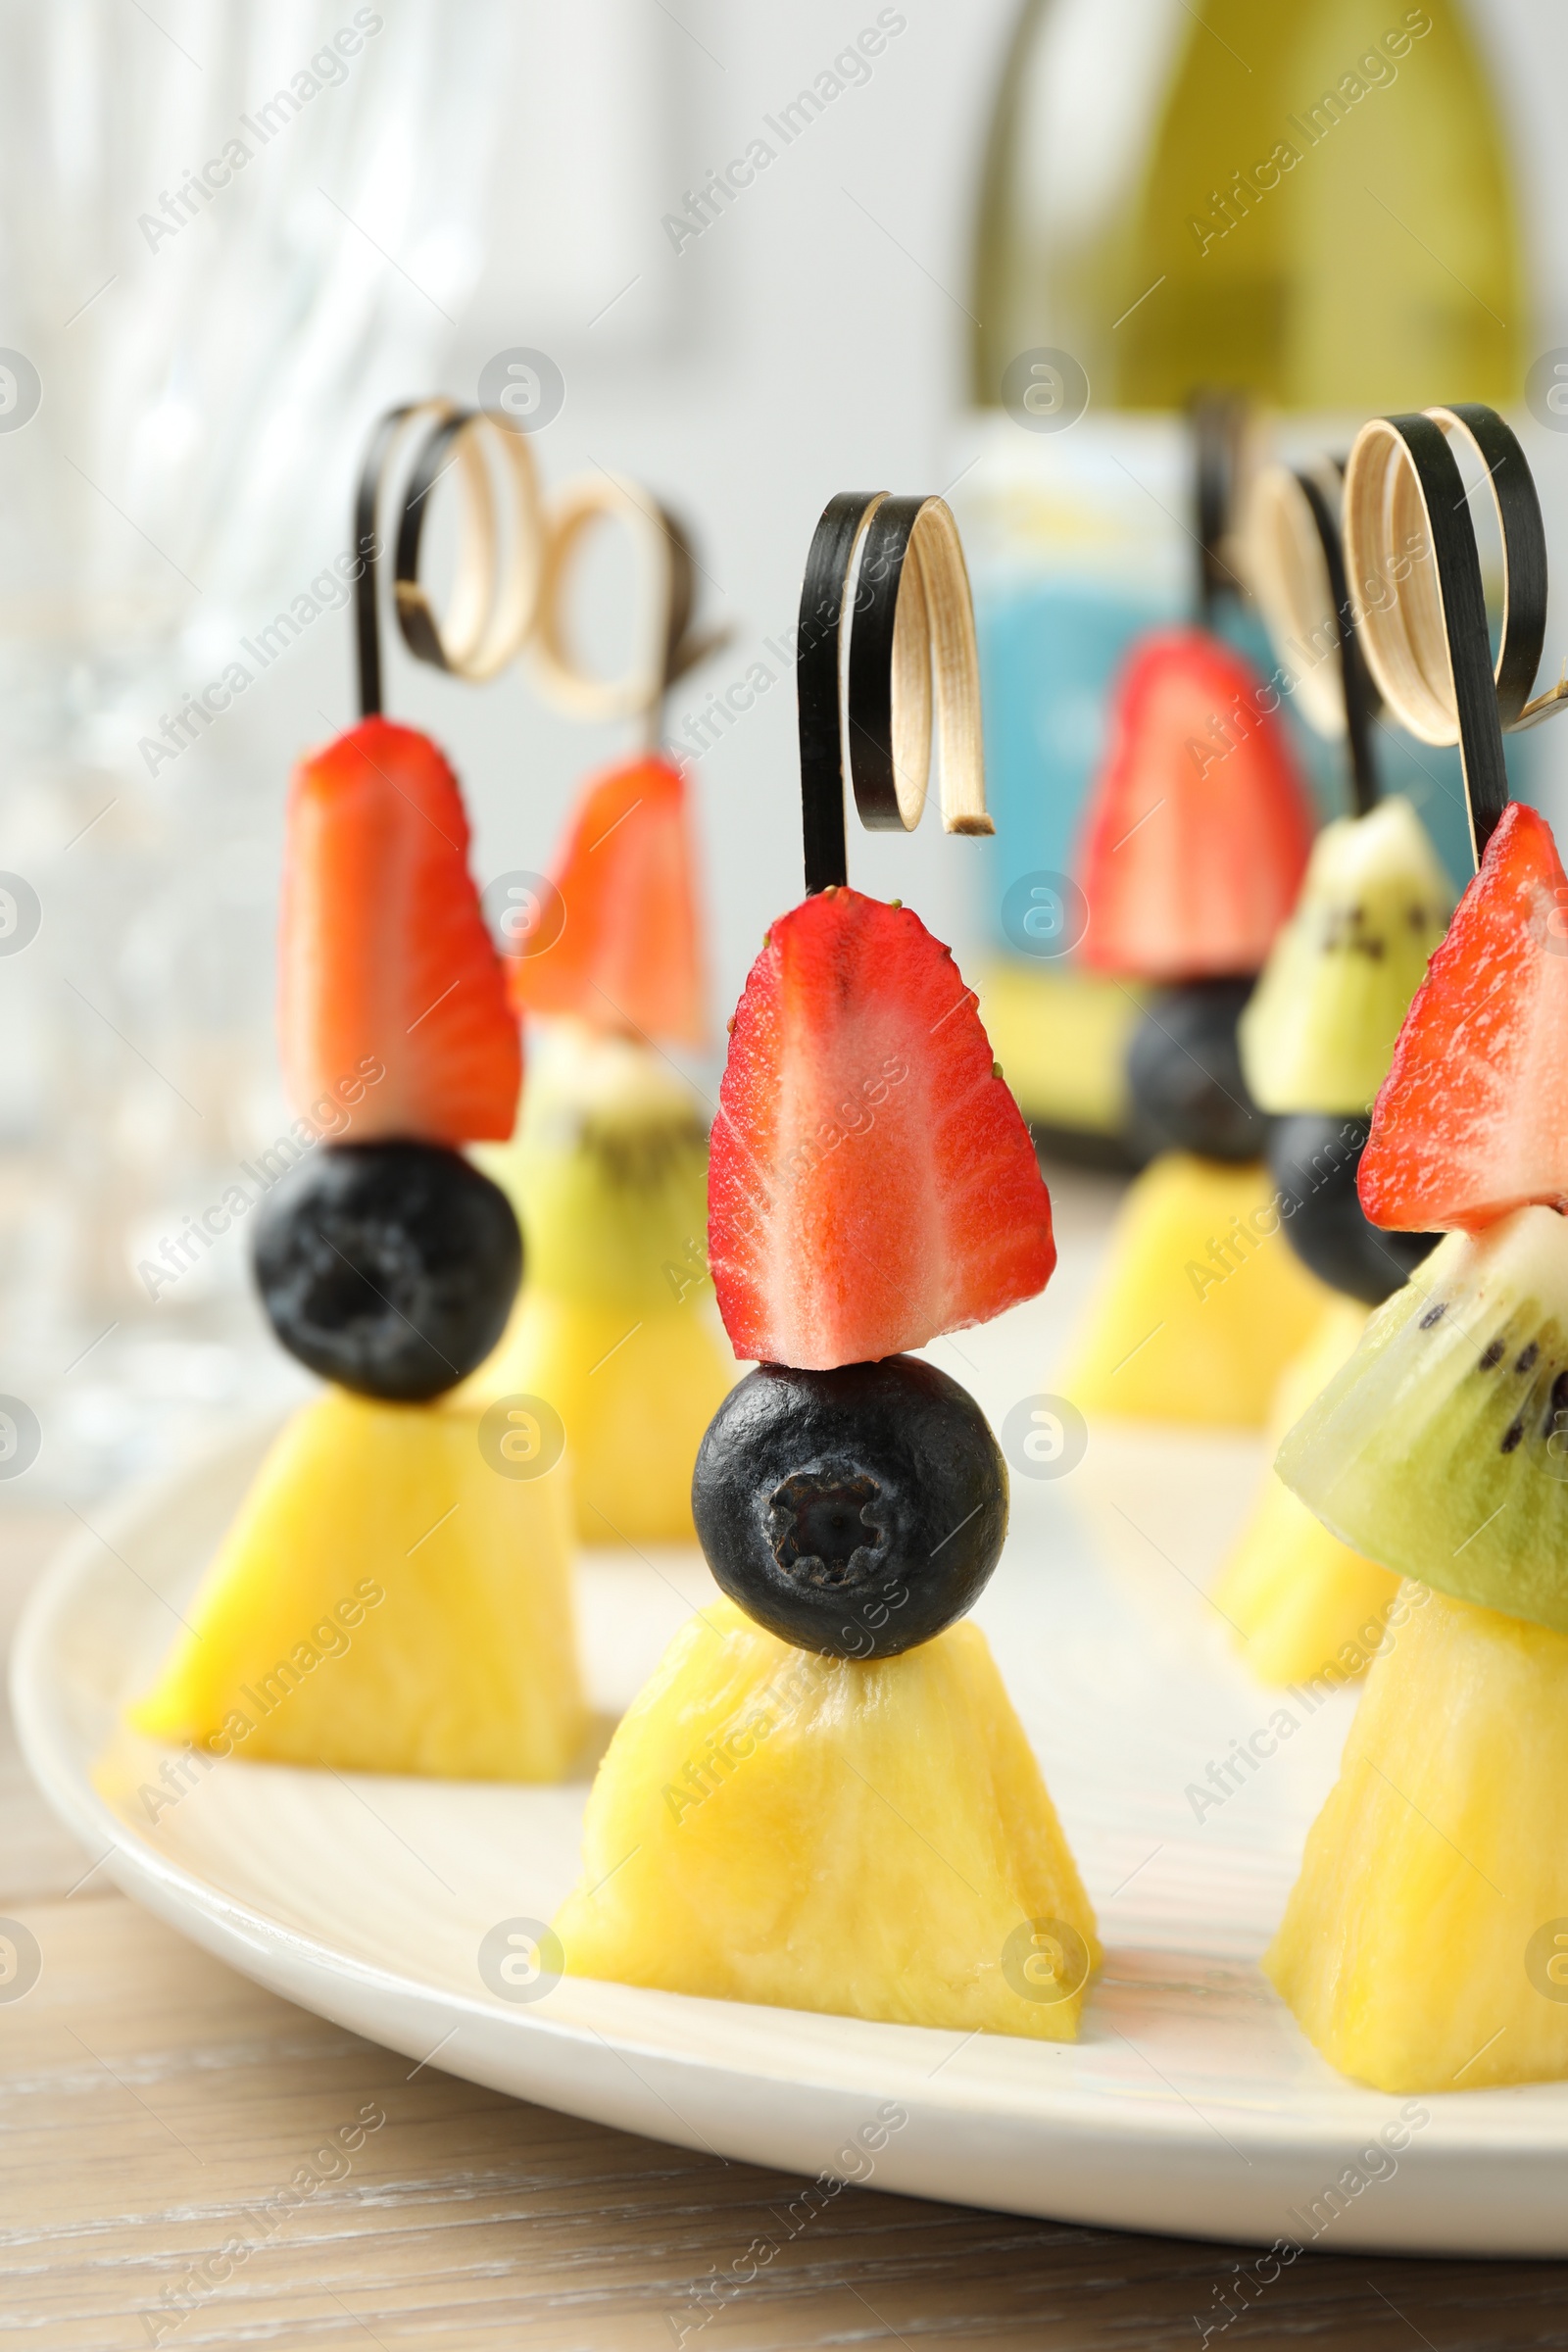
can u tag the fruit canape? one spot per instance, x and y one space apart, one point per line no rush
1062 1027
1420 1948
1196 838
1316 1041
390 1597
823 1798
609 1170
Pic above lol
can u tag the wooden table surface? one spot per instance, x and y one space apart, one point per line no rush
148 2095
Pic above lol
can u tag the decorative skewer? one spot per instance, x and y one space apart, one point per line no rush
1407 521
886 645
496 604
1436 1450
492 611
1296 564
1218 423
514 569
666 644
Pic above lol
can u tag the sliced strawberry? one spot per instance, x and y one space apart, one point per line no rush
871 1182
1198 825
1472 1119
386 963
628 956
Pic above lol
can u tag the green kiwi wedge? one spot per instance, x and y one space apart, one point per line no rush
1319 1031
608 1171
1442 1447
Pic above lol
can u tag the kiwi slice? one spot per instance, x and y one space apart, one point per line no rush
1320 1030
608 1171
1442 1447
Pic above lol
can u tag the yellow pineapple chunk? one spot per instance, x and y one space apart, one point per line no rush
1298 1596
1303 1603
385 1602
635 1390
1202 1302
1061 1032
1425 1945
869 1840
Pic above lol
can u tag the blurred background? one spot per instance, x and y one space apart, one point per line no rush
230 235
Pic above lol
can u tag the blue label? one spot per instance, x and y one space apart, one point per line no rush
1050 648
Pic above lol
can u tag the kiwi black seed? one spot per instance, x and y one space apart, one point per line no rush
1542 1411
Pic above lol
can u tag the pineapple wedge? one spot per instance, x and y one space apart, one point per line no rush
384 1601
635 1393
868 1840
1202 1302
1425 1945
1061 1032
1299 1599
1296 1594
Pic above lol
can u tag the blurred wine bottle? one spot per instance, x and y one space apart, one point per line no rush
1307 205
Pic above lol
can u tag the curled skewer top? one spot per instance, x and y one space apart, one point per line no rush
886 648
514 559
497 592
495 596
1296 568
666 644
1411 549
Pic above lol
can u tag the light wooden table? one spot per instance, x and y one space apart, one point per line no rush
148 2095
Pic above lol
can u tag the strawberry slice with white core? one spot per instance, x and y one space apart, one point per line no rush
871 1182
1472 1120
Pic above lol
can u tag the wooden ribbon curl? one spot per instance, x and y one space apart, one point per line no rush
495 594
514 567
666 644
886 645
493 600
1296 568
1409 529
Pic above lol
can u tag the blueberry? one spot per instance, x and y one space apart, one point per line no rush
1313 1156
852 1512
390 1268
1183 1074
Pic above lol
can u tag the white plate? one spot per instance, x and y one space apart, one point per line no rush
1191 2103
